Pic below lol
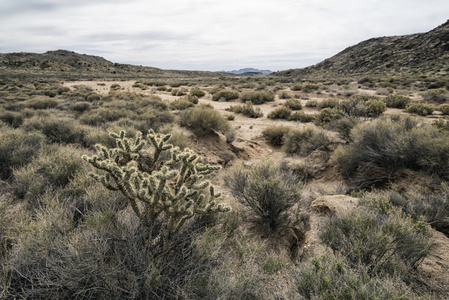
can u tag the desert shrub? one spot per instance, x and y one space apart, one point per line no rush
397 101
381 238
441 124
304 142
258 97
55 166
362 106
202 119
154 119
310 87
343 126
382 147
282 112
275 134
312 103
181 104
80 107
293 104
301 117
115 87
444 109
13 119
332 277
326 116
327 103
436 95
193 99
421 204
247 109
179 92
227 95
41 102
196 91
267 191
296 87
103 115
420 108
284 95
17 148
57 130
384 91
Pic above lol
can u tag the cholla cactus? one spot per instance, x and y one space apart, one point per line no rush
171 190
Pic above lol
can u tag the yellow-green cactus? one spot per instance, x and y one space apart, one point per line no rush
171 190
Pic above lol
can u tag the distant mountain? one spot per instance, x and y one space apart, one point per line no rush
68 65
247 71
422 51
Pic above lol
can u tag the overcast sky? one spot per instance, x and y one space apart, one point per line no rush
210 34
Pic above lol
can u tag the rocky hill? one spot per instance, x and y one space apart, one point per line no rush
409 53
63 64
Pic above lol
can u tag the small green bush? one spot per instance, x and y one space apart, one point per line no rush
296 87
282 112
397 101
247 110
181 104
420 108
304 142
227 95
81 107
293 104
259 97
310 87
14 119
327 103
18 148
267 190
362 106
203 120
41 102
301 117
331 277
275 134
196 91
444 109
326 116
58 130
284 95
437 95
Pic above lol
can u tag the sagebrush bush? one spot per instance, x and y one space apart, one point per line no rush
328 103
301 117
196 91
267 190
18 148
444 109
384 146
281 112
420 108
41 102
181 104
258 97
293 104
436 95
247 109
332 277
380 237
202 119
58 130
304 142
362 106
227 95
327 115
13 119
179 92
343 126
275 134
397 101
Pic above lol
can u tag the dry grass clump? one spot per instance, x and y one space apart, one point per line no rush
258 97
282 112
247 109
382 147
202 119
304 142
267 191
275 134
225 95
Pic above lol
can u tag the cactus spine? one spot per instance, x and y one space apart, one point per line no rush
169 190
